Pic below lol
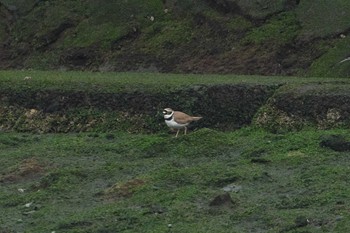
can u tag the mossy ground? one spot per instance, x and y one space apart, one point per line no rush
111 82
330 63
277 37
119 182
280 30
316 17
114 181
81 101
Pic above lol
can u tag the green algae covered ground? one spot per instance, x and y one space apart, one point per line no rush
248 180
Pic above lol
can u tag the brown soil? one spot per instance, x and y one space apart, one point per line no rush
27 170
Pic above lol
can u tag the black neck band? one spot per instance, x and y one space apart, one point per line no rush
169 118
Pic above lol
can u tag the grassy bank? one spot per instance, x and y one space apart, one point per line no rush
108 180
119 182
155 82
277 37
39 101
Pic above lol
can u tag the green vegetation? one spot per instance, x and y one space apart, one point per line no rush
239 24
119 182
22 6
118 82
88 35
261 9
280 30
52 16
317 17
105 179
113 166
329 64
45 61
293 107
179 36
109 180
40 101
165 35
124 17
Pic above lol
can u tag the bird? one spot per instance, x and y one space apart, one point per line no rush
178 120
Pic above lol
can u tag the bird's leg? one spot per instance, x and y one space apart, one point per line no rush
185 130
177 133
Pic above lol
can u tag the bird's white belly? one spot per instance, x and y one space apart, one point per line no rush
175 125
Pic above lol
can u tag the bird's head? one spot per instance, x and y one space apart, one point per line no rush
167 111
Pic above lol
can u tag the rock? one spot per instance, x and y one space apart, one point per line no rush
301 221
222 200
156 209
339 218
232 188
335 142
28 204
260 160
110 136
29 212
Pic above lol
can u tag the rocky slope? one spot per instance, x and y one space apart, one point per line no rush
267 37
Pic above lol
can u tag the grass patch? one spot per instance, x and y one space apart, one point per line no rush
21 5
262 9
316 17
124 18
96 182
129 82
329 64
281 29
165 35
40 101
68 12
239 24
87 34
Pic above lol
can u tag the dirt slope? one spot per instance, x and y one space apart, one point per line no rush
269 37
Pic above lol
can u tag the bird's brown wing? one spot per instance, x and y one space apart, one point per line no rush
182 118
196 118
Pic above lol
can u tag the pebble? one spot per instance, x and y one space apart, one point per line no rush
232 188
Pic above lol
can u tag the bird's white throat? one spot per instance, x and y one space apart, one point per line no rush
168 117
